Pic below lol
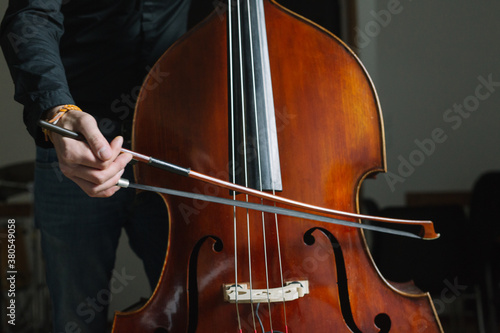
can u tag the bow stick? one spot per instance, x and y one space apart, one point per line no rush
427 226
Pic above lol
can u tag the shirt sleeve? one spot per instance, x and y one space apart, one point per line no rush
29 35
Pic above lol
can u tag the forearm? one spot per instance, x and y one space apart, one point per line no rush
29 37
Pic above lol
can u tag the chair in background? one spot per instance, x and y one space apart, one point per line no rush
442 267
485 221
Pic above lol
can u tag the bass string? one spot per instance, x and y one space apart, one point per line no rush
245 167
271 161
259 164
243 125
233 144
244 144
231 106
257 142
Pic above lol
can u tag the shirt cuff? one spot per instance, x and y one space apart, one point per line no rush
33 112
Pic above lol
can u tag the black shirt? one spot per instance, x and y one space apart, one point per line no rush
92 53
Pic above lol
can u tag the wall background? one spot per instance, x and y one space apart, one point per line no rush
426 58
15 144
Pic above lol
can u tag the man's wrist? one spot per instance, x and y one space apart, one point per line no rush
50 113
55 114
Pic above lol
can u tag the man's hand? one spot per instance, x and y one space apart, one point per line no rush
95 165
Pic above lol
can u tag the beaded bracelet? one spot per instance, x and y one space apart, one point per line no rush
60 113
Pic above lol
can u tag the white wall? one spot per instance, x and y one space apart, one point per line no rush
15 143
431 58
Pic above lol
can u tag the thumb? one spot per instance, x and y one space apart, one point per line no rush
105 152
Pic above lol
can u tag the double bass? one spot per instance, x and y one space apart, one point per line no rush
261 97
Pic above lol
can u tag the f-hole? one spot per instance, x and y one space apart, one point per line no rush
345 305
193 281
382 320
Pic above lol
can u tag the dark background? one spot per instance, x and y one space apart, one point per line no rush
323 12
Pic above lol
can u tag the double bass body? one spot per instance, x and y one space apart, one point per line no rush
330 137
